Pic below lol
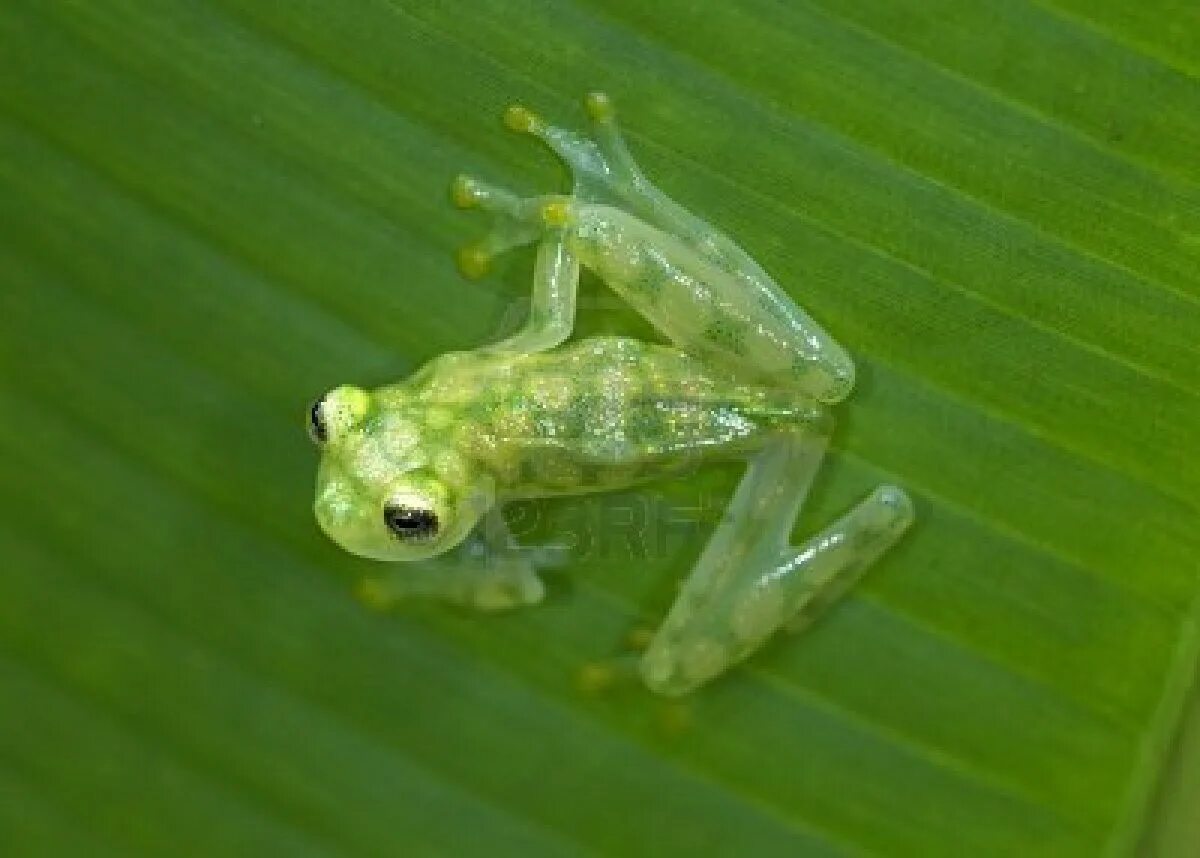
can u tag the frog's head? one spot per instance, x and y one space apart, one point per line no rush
388 488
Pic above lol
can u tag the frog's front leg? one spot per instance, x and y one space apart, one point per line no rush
750 582
487 571
552 303
555 272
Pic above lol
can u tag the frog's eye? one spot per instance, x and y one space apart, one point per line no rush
410 520
317 428
336 414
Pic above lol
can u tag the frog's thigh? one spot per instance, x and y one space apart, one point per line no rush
749 583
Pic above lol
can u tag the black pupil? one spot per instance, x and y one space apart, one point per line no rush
316 422
409 522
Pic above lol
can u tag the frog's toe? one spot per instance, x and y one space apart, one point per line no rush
596 677
465 192
674 668
639 637
586 158
474 261
623 170
515 221
518 589
528 589
674 717
470 192
374 594
604 675
599 107
519 118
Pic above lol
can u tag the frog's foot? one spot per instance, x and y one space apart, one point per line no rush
601 166
494 587
516 221
608 674
474 575
512 223
722 620
597 678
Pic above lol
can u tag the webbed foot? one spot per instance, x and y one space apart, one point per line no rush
597 678
602 171
601 167
475 575
515 222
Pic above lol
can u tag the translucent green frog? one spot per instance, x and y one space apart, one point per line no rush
417 471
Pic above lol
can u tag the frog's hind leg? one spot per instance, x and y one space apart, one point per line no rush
788 345
603 170
750 582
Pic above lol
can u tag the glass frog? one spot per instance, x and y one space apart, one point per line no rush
418 471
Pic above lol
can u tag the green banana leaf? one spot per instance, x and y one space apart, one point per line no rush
211 212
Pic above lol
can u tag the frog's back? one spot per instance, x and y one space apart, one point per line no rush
611 411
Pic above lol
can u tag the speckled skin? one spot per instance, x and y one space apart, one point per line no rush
418 470
602 413
744 323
